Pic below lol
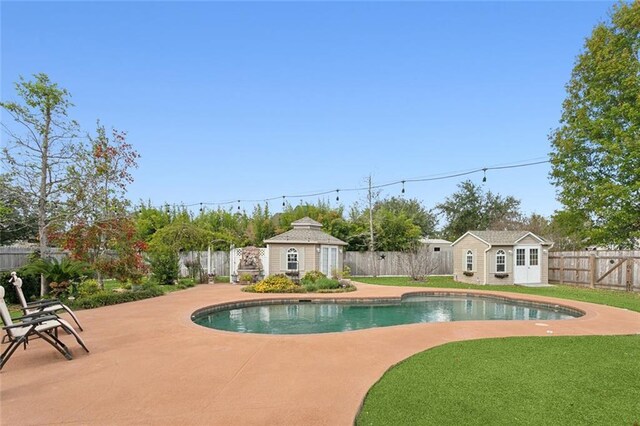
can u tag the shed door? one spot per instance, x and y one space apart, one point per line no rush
526 269
328 259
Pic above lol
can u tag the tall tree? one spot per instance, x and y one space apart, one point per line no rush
471 208
596 150
40 148
100 177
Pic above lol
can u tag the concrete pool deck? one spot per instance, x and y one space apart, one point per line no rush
150 364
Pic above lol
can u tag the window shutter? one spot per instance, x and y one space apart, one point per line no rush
301 255
283 258
464 260
475 261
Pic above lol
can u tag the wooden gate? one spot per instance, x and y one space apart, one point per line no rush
617 270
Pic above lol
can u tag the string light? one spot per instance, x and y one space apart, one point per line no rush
337 195
384 185
201 209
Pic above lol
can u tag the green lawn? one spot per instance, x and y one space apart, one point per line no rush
619 299
525 380
533 381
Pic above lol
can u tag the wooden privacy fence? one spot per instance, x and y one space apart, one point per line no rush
12 257
611 269
394 263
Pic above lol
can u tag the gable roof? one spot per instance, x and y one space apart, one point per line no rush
306 231
502 238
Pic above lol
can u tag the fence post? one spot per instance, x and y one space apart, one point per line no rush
629 274
561 268
592 270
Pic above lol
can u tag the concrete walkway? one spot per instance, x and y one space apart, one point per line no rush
149 364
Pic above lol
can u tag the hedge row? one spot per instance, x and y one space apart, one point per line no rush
105 299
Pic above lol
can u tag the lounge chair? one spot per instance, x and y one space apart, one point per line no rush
38 324
44 305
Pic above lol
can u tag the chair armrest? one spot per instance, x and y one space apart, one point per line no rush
42 303
35 321
34 315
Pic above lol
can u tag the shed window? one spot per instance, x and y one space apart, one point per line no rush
292 259
469 262
436 249
501 261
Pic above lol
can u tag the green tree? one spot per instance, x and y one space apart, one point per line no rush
596 150
18 221
97 190
395 231
412 209
471 208
260 226
41 145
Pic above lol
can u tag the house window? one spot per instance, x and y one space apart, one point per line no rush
469 262
436 249
292 259
501 261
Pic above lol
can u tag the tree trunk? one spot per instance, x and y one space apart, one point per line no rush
42 198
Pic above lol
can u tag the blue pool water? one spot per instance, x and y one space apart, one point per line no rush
317 316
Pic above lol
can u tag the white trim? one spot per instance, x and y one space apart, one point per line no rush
472 234
540 240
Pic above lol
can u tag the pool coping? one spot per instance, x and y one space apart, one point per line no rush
150 364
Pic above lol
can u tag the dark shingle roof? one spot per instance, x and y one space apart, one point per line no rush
306 231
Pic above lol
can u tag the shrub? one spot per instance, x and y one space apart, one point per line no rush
105 298
88 288
327 284
310 287
184 283
164 266
59 290
247 278
275 284
313 276
58 271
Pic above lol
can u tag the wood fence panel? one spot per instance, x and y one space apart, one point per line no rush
12 258
393 264
608 269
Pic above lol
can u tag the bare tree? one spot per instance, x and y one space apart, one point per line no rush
419 262
39 150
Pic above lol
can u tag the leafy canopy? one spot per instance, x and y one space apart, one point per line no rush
596 150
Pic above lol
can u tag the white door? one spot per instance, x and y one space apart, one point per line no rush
328 259
527 265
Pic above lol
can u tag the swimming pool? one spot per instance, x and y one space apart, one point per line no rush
309 316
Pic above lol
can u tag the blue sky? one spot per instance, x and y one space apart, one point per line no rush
228 101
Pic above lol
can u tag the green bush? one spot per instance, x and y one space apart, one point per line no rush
313 276
275 284
184 283
105 298
164 266
87 288
310 287
327 284
247 278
